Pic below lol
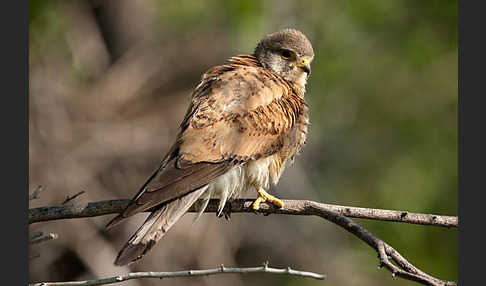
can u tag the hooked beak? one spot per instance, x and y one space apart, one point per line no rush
305 66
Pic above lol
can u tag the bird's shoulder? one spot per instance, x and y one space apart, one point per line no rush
239 111
234 88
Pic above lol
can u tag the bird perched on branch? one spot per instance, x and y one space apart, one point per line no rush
246 121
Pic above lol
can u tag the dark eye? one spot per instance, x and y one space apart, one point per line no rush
286 54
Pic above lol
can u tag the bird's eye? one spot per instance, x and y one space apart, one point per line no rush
286 54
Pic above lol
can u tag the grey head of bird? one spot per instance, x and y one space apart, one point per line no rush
288 53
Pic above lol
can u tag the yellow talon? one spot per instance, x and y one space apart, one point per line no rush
263 196
256 203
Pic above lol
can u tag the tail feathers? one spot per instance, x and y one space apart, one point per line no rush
201 205
155 227
134 249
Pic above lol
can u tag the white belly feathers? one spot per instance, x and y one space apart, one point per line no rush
239 180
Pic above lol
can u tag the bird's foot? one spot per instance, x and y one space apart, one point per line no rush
263 196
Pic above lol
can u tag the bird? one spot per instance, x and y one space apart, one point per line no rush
246 121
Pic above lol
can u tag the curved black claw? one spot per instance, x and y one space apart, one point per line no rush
226 212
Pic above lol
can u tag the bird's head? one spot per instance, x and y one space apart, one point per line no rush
288 53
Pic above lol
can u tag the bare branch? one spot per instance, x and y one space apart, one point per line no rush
292 207
334 213
187 273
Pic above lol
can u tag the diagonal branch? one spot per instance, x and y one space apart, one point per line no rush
186 273
405 270
333 213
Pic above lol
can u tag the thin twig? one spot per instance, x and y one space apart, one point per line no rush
70 198
44 238
35 195
35 234
292 207
186 273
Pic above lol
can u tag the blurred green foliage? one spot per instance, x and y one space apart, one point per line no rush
383 105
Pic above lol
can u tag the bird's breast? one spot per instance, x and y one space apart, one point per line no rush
242 178
264 170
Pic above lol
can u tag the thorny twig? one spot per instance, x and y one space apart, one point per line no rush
186 273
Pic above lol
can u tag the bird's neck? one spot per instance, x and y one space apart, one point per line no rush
300 83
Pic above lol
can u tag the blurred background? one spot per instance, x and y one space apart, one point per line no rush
110 82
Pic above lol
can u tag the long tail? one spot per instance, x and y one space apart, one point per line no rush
155 227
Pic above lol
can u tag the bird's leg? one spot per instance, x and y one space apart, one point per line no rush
263 196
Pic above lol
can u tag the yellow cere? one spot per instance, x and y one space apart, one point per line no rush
304 62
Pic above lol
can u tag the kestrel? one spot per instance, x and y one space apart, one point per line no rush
246 121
